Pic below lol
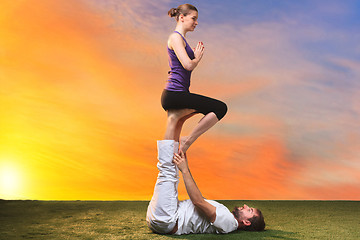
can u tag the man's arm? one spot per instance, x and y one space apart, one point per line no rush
193 191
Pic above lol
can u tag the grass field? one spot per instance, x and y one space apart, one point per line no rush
126 220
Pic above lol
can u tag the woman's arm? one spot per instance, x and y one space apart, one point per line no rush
177 44
193 191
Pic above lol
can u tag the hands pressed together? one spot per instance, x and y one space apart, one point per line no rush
199 51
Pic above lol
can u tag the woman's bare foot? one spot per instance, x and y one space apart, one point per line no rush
184 144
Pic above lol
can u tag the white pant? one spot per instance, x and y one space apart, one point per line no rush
162 213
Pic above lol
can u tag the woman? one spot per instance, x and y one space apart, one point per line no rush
176 98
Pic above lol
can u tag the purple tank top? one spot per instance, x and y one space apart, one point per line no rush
179 77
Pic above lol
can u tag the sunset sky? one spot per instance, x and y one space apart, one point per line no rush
80 86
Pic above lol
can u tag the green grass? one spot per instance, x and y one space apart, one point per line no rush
126 220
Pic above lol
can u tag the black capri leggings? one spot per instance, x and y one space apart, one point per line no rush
202 104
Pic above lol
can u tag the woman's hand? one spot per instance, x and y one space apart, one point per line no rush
199 51
181 161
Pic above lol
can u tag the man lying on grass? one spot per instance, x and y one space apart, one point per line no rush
166 215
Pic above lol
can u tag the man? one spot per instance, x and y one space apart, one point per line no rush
166 215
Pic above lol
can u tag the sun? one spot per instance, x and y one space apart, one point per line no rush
10 181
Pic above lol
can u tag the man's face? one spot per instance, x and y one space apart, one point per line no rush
244 212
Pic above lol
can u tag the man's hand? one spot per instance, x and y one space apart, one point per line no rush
181 161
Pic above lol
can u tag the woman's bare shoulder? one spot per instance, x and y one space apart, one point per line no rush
175 38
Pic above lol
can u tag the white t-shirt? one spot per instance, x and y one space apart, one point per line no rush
191 221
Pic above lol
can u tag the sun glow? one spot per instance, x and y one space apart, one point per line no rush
10 182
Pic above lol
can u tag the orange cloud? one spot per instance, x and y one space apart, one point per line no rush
242 167
71 108
80 107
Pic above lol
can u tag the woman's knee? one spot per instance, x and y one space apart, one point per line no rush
221 110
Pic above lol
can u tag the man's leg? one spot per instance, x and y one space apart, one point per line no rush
162 214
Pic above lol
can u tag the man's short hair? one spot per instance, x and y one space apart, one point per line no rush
257 222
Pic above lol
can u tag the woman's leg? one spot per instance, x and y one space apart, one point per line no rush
213 109
204 124
180 124
181 103
175 121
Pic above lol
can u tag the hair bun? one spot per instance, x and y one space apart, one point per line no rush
172 12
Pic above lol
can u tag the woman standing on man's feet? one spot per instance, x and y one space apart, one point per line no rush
176 98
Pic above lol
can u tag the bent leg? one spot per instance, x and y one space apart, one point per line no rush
204 124
175 120
162 213
213 109
180 123
202 104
